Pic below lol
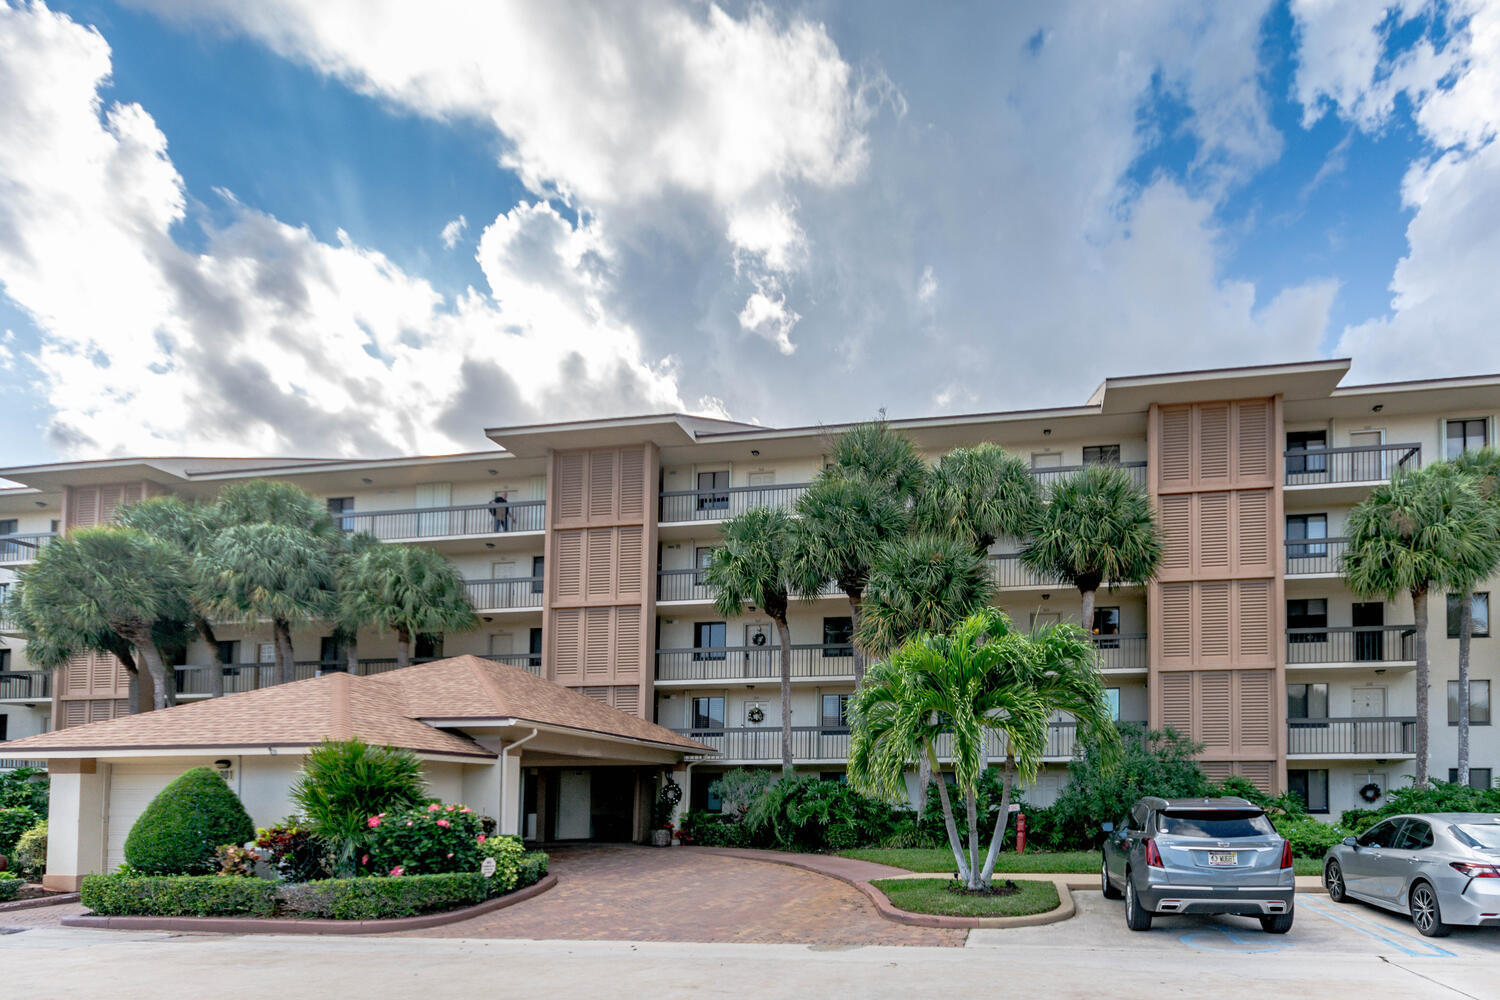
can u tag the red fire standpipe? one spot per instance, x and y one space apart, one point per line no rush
1020 833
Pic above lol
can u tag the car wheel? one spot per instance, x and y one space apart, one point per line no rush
1110 892
1425 912
1277 923
1137 917
1333 881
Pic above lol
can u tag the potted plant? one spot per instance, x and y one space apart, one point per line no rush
665 806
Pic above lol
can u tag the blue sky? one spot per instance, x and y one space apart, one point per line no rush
784 214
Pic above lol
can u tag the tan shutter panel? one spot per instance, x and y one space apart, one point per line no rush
1213 622
1177 621
627 643
596 641
1253 530
80 673
103 669
1176 445
1213 531
631 558
1257 772
633 485
75 713
1255 709
1254 440
1176 531
1214 710
567 568
602 485
1255 621
597 693
1177 702
109 502
132 493
566 644
1216 770
599 578
1213 442
570 486
628 699
83 512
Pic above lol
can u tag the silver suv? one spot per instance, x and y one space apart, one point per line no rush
1198 856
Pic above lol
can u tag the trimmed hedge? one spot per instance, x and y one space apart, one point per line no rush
180 832
178 896
10 887
531 870
381 898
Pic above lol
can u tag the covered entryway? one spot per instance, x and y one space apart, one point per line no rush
602 804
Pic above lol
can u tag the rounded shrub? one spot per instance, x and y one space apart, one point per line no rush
10 886
30 860
181 830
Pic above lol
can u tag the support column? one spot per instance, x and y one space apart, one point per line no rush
508 771
75 823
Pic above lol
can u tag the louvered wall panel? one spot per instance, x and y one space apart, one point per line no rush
1213 622
1254 599
598 693
602 485
102 671
599 575
598 641
566 569
80 674
1216 770
110 498
632 561
1214 712
1176 453
633 485
567 646
83 506
76 713
1213 442
1175 516
1213 533
1253 531
1177 702
1255 445
570 486
1258 773
1255 710
628 645
627 699
1177 622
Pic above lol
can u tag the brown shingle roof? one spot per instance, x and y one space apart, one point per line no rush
382 709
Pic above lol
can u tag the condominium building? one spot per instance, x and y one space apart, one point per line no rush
584 543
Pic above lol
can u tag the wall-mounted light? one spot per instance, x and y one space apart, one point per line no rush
755 452
493 472
40 503
366 480
489 545
487 618
1377 407
1046 432
223 765
1046 596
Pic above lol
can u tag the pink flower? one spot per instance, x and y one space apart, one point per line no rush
480 840
372 822
365 860
450 854
450 808
466 809
442 822
398 871
408 822
433 808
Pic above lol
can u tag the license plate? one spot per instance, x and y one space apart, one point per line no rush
1223 858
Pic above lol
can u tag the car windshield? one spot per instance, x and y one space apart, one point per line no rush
1216 824
1476 835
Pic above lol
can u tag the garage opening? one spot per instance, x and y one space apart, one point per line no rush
596 804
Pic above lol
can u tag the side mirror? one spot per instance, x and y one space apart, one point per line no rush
1108 827
1350 842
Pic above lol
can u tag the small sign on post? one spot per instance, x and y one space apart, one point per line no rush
487 868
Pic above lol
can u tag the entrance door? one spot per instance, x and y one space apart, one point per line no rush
433 495
1368 703
1369 616
1368 466
574 805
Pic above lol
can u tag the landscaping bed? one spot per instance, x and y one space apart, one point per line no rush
933 859
935 896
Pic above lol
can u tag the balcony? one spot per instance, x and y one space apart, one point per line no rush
1384 736
467 520
1122 652
193 679
719 505
830 744
18 549
1311 467
1008 573
1376 645
506 594
690 585
1051 476
25 685
11 764
1315 556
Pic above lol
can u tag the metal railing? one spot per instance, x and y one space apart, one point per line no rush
13 764
1047 477
831 743
723 663
717 505
1371 463
25 685
505 593
1350 644
1310 556
1377 736
436 522
1122 652
23 548
193 679
692 585
1007 571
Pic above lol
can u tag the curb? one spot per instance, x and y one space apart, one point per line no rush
52 899
283 925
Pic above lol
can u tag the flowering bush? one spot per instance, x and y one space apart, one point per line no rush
237 861
431 840
293 851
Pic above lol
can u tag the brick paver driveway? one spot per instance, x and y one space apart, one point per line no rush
681 894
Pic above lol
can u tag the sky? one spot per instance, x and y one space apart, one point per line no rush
369 227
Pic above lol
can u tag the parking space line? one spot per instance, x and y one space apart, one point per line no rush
1230 937
1384 934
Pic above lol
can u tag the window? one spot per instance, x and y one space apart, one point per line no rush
1107 623
1298 442
4 593
1215 824
9 526
1381 834
4 662
839 634
534 647
1479 777
1460 436
428 646
1101 454
538 571
835 711
702 556
709 636
1415 836
229 651
1112 695
265 652
1481 625
4 720
1311 612
1046 460
330 653
709 486
1479 703
1300 527
340 505
1307 701
1311 787
708 713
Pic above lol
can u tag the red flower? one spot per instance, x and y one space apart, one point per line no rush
442 822
397 871
480 839
372 822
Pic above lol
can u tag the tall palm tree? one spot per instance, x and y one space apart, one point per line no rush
1096 526
983 679
978 495
753 567
1406 537
886 458
53 647
410 590
111 581
925 583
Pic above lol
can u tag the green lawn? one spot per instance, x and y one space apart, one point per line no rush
931 895
934 859
1307 866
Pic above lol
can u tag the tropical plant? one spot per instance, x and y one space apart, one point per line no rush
14 822
880 455
30 860
293 851
24 786
1096 526
753 567
344 783
180 831
921 584
978 495
737 789
408 589
1406 537
432 839
1482 470
810 814
97 588
982 680
1103 786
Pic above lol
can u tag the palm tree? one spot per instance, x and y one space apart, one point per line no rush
753 567
878 454
926 583
978 495
1096 526
97 588
1406 537
408 589
982 680
347 622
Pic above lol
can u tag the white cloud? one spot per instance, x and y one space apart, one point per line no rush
766 315
927 286
453 231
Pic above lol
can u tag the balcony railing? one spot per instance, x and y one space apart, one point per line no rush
25 685
506 593
724 663
12 764
437 522
1051 476
1314 556
1382 736
23 548
1122 652
1372 463
1351 644
717 505
1007 571
692 585
194 679
831 743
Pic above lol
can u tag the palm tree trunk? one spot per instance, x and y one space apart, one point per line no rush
156 667
971 805
215 662
286 664
988 875
784 638
1424 681
1088 609
1465 627
351 652
948 821
403 647
855 597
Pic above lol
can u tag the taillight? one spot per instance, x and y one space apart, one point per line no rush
1475 871
1286 854
1153 856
